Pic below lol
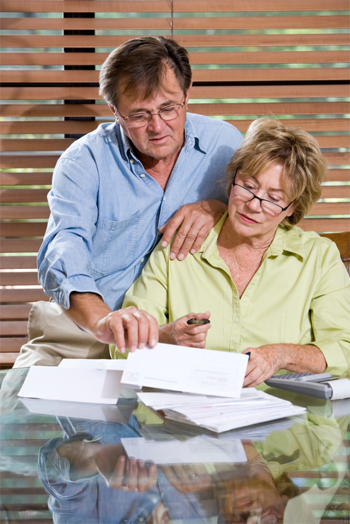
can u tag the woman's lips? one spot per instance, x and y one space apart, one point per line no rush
247 219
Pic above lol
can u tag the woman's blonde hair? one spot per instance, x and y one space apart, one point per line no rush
269 142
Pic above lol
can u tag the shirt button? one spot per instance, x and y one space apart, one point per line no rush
142 259
163 199
236 320
142 175
132 160
140 519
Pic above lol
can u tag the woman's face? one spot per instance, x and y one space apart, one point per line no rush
248 218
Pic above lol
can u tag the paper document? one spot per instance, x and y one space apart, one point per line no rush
80 410
221 414
198 450
89 363
191 370
99 386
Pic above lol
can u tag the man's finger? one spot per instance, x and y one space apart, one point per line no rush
168 229
153 332
201 236
115 324
142 476
143 328
131 480
116 479
152 475
185 233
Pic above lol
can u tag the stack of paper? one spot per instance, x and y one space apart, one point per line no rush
221 414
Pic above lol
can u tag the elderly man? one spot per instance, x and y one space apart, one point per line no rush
114 191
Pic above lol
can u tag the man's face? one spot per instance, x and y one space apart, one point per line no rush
157 139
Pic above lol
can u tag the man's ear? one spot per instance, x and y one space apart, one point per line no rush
188 95
114 111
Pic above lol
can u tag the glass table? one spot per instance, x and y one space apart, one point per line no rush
82 463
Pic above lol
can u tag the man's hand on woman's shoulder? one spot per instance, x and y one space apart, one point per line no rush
193 222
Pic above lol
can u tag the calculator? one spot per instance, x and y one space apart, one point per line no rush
303 383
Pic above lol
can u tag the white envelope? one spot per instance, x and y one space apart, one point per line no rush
98 386
198 450
190 370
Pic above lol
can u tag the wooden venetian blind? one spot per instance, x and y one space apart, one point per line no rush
250 58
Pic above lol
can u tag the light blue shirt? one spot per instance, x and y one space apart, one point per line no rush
106 209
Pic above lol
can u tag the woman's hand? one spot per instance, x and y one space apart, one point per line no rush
182 334
193 221
264 362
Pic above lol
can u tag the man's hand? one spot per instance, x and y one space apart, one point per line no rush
193 221
188 478
131 475
127 328
182 334
266 360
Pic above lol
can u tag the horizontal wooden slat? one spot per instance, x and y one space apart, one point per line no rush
26 161
199 75
111 41
26 179
343 242
18 278
325 224
12 344
333 141
22 229
20 262
153 6
337 158
33 128
6 361
57 110
46 144
197 23
22 295
200 58
13 328
310 124
335 192
327 208
23 195
22 212
271 108
15 312
341 175
212 92
20 245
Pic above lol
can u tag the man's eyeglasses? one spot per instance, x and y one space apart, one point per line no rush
144 117
266 205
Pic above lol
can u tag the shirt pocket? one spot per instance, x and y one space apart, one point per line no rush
114 244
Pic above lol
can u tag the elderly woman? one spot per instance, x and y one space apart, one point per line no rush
269 287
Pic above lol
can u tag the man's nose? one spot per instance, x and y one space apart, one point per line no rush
156 124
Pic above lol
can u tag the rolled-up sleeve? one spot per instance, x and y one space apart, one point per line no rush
330 313
64 257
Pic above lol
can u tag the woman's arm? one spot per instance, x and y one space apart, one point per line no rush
266 360
330 320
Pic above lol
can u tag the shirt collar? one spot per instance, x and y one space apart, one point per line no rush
191 138
285 240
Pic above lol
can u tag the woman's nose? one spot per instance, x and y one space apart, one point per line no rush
254 204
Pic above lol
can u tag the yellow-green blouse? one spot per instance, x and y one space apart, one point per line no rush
299 295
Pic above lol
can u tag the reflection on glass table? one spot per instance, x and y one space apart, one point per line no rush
125 464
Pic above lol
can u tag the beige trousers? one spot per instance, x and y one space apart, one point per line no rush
53 336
